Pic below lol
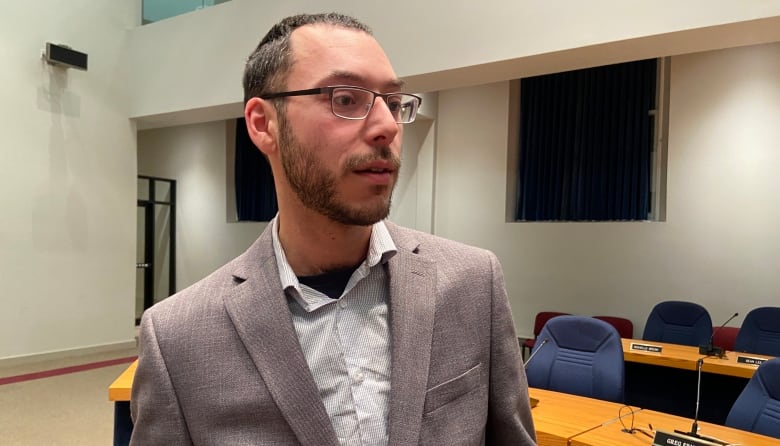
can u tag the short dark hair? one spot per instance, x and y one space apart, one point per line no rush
267 66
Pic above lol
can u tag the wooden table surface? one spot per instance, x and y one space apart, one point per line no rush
685 357
119 390
560 416
612 434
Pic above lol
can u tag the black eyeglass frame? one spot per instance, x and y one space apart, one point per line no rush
329 90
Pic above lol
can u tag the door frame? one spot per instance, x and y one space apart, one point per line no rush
150 204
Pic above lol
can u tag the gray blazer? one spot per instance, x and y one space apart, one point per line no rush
220 362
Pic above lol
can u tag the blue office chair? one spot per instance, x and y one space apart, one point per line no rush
758 407
677 322
760 332
579 355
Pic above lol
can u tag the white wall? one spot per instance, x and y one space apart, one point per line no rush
188 68
719 246
195 156
67 166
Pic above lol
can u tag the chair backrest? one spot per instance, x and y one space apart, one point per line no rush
760 332
582 356
757 409
677 322
542 317
724 337
624 327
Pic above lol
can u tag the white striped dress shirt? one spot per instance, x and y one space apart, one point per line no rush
346 341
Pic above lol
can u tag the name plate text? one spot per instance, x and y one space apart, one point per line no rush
663 438
750 360
646 347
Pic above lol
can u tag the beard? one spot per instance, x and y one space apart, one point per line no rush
315 186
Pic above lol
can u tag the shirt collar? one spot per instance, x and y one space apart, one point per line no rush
380 249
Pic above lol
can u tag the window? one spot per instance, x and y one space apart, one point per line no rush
588 147
155 10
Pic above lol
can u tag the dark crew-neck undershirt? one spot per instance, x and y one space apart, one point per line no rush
331 283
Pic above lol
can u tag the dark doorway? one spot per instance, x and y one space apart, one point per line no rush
156 242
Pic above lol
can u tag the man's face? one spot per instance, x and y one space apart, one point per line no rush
343 169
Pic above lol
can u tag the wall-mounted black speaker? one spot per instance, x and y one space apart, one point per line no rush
64 56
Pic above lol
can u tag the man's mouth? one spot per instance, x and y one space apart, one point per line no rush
375 170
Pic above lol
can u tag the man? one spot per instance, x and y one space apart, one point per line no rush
335 326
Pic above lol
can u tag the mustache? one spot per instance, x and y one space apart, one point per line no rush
381 154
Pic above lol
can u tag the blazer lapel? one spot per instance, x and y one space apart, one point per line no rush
412 303
259 311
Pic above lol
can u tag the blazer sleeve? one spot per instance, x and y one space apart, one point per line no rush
154 406
509 411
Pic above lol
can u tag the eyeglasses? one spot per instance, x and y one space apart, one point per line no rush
356 102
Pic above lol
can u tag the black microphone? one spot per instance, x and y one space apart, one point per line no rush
711 350
525 364
695 426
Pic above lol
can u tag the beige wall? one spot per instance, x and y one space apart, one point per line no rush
719 245
195 156
67 167
188 68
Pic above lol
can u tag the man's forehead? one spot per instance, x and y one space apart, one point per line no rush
334 53
327 35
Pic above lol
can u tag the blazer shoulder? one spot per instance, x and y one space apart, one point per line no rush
209 290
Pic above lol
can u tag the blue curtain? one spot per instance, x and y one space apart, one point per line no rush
255 191
586 141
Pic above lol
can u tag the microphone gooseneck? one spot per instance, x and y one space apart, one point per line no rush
709 349
525 364
695 426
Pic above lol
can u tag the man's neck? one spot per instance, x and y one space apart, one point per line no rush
316 244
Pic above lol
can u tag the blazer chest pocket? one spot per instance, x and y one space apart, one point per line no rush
451 390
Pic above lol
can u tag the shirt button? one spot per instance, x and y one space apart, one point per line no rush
342 304
359 377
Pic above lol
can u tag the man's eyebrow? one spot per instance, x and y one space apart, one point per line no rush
348 77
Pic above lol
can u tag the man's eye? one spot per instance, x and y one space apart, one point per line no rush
343 100
394 104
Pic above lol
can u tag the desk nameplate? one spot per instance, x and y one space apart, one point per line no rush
750 360
646 347
663 438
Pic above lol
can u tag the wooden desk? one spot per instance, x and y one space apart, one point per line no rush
728 365
119 392
559 416
667 381
685 357
612 434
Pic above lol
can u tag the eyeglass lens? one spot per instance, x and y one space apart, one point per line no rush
355 103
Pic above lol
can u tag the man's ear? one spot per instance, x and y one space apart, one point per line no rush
262 124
